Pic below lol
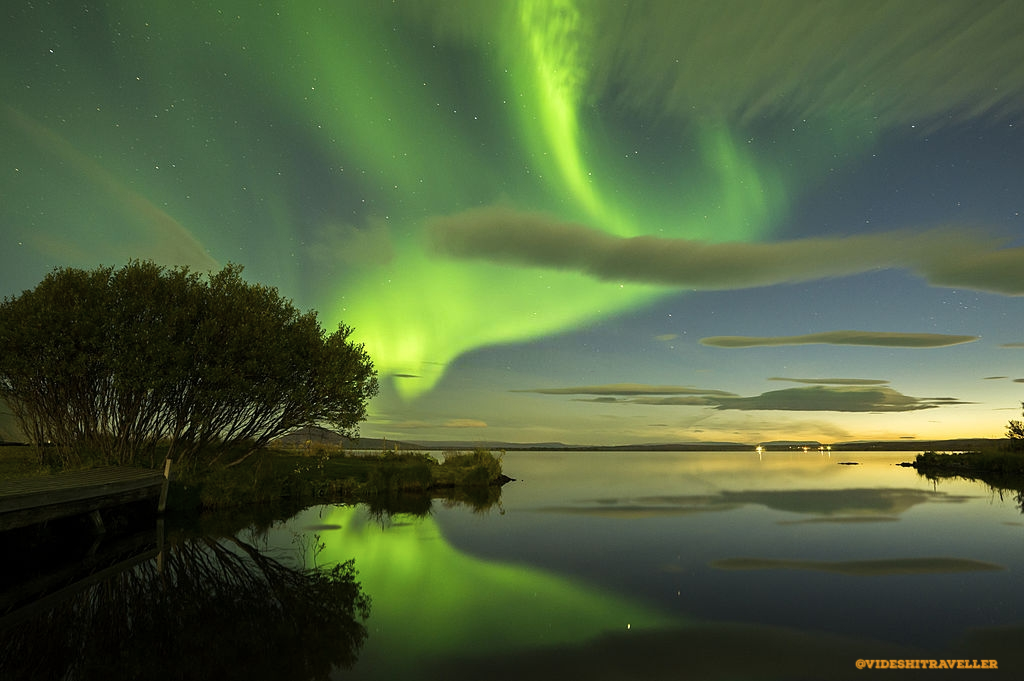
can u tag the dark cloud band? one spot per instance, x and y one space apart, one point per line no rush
627 389
956 258
831 381
834 398
870 338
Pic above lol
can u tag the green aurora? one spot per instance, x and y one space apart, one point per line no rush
426 593
223 177
314 143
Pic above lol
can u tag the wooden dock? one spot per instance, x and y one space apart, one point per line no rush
34 500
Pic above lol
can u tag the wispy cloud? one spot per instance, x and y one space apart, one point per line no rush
951 63
450 423
843 399
352 245
411 425
874 338
465 423
694 400
765 426
951 257
626 389
831 381
1012 345
865 398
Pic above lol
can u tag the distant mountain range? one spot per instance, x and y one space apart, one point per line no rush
324 436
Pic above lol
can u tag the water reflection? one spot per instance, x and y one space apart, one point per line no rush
712 652
601 567
439 601
480 499
834 505
202 608
1005 485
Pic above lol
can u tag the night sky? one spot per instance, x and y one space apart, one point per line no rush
555 220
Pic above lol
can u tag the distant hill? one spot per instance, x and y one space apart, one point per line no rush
488 444
673 447
11 434
791 444
324 436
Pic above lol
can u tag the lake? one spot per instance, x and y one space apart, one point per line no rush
597 565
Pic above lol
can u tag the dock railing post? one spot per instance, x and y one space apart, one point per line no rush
162 504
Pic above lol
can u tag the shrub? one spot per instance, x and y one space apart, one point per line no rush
1015 434
477 468
114 361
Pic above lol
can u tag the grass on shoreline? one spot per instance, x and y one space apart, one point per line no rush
991 461
325 473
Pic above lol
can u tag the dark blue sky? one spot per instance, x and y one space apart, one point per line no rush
556 220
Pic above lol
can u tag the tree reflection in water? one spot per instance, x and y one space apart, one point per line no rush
999 483
206 609
480 499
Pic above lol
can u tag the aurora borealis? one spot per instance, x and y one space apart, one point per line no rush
561 220
428 594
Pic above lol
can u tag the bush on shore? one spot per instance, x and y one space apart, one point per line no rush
108 365
1007 462
383 479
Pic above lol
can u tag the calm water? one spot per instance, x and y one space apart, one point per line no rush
621 566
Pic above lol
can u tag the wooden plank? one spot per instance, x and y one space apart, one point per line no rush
32 500
92 476
77 485
37 514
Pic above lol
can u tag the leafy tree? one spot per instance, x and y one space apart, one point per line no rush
1015 433
110 362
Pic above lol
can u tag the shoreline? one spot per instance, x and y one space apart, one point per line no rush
276 475
1004 462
